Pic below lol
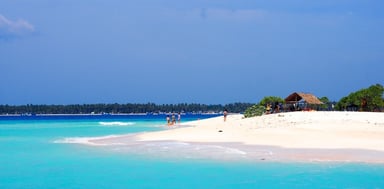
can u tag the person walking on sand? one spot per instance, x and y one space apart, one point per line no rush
225 114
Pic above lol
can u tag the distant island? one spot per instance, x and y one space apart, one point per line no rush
130 108
367 99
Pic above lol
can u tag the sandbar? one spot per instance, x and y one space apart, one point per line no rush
292 136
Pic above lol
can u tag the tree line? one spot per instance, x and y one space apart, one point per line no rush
122 108
366 99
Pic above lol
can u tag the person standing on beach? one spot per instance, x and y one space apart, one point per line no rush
268 108
168 120
277 108
178 118
225 114
173 119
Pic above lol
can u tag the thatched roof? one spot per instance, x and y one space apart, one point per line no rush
308 98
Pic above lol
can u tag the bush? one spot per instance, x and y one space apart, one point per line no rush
255 110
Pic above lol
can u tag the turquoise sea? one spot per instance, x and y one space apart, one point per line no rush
37 152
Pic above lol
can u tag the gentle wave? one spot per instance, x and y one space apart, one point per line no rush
116 123
229 150
87 140
185 147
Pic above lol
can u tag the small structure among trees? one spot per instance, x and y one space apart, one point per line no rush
367 99
302 101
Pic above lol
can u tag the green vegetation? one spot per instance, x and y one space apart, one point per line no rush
270 100
326 102
121 108
259 109
255 110
369 99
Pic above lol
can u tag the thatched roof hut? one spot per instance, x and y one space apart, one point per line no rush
306 97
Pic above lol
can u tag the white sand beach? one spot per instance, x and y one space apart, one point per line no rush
302 136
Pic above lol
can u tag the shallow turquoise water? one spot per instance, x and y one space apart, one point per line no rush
30 158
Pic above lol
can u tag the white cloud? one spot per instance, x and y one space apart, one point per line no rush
14 28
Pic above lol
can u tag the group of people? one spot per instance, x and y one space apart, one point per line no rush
275 108
172 120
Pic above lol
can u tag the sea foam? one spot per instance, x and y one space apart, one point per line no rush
116 123
87 140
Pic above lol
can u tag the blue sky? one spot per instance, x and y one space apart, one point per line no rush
171 51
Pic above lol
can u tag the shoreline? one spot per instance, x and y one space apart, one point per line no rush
230 151
294 136
100 114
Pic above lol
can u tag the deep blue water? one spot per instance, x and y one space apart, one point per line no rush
31 157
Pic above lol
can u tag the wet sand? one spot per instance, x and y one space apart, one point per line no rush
295 136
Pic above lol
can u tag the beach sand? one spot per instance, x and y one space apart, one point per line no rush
293 136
